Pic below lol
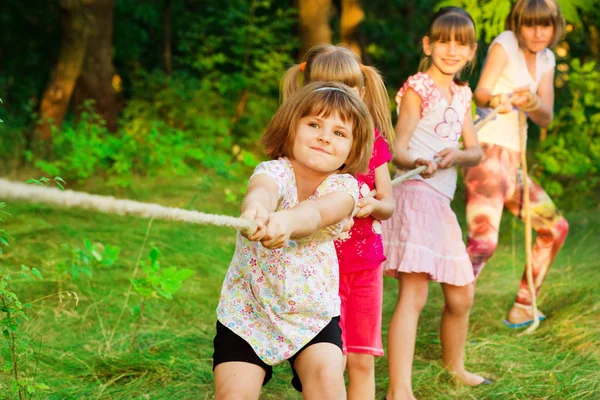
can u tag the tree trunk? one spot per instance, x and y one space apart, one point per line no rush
96 79
167 29
314 23
352 16
56 97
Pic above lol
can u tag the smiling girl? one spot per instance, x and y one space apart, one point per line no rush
423 240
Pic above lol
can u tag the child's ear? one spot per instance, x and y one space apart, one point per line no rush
426 46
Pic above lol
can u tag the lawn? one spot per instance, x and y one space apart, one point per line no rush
82 351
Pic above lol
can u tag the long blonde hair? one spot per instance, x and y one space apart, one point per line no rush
327 62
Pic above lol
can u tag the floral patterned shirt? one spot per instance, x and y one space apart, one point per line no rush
440 125
279 300
362 247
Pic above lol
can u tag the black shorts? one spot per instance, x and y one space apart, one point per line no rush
230 347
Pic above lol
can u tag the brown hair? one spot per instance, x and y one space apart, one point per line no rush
536 12
327 62
322 99
446 24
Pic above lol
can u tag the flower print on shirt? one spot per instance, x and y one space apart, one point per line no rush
451 127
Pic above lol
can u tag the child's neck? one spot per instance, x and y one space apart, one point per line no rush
307 180
442 81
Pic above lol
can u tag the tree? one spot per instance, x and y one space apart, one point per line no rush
84 69
314 23
56 98
352 16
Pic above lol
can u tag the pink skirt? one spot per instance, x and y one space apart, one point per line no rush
423 236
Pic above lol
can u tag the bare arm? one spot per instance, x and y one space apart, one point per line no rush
496 61
410 115
306 218
381 206
543 116
261 199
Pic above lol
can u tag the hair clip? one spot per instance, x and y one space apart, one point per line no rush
302 66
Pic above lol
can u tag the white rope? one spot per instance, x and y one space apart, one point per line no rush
108 204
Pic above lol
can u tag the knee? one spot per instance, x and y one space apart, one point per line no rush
328 382
460 305
561 229
361 364
232 394
481 249
414 300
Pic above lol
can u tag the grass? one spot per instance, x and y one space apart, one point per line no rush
80 358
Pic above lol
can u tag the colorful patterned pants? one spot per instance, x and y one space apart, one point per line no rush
496 182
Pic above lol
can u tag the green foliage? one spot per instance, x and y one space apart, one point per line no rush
570 157
158 282
83 261
17 345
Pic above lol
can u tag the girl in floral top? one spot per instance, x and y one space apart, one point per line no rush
279 300
423 240
359 251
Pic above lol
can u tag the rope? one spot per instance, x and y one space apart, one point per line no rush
528 238
109 205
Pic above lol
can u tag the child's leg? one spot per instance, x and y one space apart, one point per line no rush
487 186
402 334
239 372
238 380
361 329
453 331
551 228
361 371
320 369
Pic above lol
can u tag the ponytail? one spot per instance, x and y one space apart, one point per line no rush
290 83
377 100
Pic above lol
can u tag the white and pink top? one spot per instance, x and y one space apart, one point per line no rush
279 300
440 126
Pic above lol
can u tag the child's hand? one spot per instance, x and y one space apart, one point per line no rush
348 224
431 167
503 101
278 230
260 215
366 206
449 156
521 96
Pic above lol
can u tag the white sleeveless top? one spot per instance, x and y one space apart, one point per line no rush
440 126
504 129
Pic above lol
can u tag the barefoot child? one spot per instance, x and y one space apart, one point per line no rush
360 253
279 300
423 239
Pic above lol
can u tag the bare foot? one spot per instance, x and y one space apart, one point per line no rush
468 378
519 314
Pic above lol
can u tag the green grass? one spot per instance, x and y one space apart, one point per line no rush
172 359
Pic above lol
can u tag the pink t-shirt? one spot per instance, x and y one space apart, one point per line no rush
362 247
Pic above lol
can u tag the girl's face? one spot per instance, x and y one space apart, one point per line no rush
450 56
322 144
536 38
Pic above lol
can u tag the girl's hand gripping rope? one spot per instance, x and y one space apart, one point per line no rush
260 216
426 168
448 157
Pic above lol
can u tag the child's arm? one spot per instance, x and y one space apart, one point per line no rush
410 115
496 61
381 206
260 200
543 116
306 218
468 157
